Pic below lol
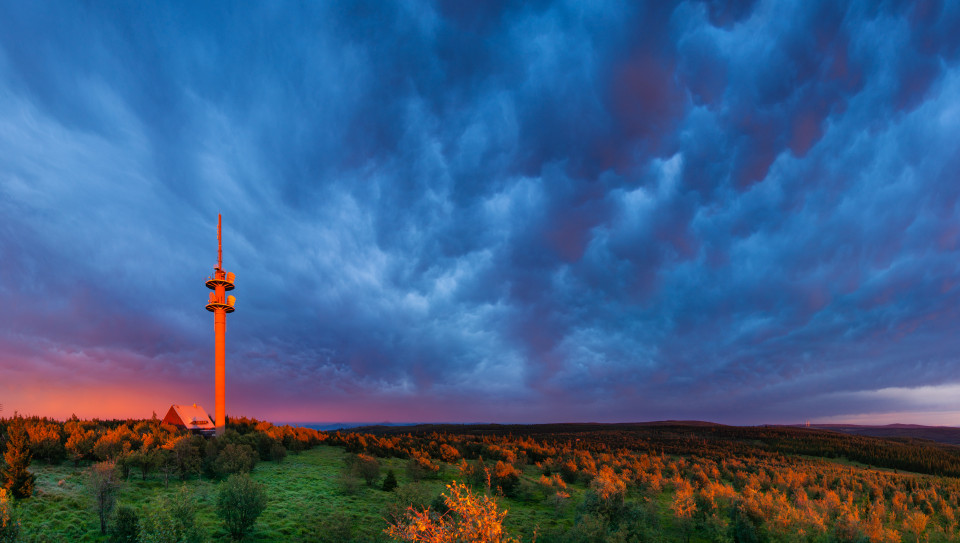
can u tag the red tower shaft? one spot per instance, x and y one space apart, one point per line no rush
220 304
220 373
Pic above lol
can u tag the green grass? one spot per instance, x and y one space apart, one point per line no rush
306 496
303 491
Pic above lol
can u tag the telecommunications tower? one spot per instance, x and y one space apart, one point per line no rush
220 305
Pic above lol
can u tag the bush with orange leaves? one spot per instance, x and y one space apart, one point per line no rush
916 523
449 454
473 519
9 525
684 503
420 466
610 488
506 477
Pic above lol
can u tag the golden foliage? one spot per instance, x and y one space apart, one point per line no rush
684 505
471 519
916 523
608 485
6 518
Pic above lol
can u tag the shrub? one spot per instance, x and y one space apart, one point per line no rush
560 501
125 527
505 477
479 474
264 445
742 529
588 529
420 466
9 524
413 495
568 470
607 491
449 454
470 518
171 520
368 468
278 452
239 503
186 456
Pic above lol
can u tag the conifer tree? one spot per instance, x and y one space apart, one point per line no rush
390 482
16 477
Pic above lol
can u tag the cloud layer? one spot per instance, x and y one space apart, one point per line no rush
744 212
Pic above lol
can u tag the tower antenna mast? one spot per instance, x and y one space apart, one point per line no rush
220 304
219 246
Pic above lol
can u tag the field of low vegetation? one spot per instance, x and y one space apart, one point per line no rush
141 480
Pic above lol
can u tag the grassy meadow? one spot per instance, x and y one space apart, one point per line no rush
308 501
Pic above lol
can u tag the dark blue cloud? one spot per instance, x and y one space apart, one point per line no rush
737 211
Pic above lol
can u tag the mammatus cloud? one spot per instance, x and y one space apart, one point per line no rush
743 212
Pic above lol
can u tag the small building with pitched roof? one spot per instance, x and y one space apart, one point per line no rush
191 417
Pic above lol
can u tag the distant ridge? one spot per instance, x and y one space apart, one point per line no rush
542 428
330 426
894 425
941 434
334 426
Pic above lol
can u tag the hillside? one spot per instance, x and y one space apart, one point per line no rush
667 481
903 452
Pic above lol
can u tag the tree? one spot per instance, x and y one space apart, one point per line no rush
239 503
470 518
102 484
145 459
234 459
113 442
684 506
609 489
45 442
368 467
916 523
80 444
186 456
390 481
16 477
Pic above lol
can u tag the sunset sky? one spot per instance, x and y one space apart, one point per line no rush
742 212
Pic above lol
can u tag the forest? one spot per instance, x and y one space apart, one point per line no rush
142 480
